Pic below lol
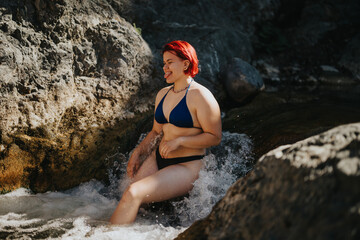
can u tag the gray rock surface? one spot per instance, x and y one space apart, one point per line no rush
93 61
307 190
70 71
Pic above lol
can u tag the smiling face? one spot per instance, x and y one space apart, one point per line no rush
174 67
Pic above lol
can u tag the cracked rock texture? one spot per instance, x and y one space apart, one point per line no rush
307 190
72 74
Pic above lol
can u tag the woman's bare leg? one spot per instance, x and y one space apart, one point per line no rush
170 182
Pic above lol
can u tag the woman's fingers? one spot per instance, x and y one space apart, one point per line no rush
168 146
132 169
163 152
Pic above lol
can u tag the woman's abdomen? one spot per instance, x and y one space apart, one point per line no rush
171 132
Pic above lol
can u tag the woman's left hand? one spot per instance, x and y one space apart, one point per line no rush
168 146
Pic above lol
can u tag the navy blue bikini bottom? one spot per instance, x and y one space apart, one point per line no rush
165 162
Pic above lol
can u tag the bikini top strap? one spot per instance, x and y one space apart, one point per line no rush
168 92
188 87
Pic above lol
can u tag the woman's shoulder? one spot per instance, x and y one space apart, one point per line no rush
202 97
161 93
200 91
203 101
164 90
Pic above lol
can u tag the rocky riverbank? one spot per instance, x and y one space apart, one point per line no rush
77 81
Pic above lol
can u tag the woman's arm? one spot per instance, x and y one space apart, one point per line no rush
147 145
209 117
142 151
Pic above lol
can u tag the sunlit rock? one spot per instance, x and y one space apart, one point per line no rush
72 76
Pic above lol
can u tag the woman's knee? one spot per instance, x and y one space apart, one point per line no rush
134 192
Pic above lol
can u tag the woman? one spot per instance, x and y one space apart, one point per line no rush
187 120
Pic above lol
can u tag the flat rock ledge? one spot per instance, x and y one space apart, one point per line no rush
307 190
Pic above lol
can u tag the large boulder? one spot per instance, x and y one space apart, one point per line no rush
74 82
242 80
308 190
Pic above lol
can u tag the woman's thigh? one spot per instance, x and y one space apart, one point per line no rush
148 168
172 181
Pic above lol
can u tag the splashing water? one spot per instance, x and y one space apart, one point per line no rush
83 212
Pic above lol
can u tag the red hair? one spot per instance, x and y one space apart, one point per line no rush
184 51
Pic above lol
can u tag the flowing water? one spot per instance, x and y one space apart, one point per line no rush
83 212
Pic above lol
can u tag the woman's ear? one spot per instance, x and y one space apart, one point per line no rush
186 64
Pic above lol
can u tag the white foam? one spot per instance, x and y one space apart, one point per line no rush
18 193
83 212
219 173
14 220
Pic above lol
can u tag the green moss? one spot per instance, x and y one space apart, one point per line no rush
137 29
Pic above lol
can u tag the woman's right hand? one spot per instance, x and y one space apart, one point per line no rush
133 164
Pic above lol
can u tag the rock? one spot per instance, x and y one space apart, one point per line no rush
242 80
327 68
267 71
307 190
74 80
350 58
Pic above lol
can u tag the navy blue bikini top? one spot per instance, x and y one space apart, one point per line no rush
180 115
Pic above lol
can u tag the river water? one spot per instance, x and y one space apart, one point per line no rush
83 212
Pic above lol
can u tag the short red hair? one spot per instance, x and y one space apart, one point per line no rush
184 51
